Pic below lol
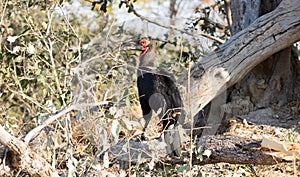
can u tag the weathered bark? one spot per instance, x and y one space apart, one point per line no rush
243 13
22 157
234 59
274 76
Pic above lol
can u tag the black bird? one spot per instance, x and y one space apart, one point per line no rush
158 92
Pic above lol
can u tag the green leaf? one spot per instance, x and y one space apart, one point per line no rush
183 168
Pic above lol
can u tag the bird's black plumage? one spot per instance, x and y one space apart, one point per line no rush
158 92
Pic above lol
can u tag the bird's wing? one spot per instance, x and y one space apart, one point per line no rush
168 90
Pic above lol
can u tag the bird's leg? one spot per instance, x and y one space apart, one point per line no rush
147 116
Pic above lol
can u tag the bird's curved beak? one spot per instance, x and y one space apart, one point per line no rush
131 46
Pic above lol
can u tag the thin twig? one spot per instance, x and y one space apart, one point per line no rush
3 12
228 14
29 98
177 29
74 32
192 119
60 113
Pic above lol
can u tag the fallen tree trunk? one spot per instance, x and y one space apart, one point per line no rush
228 148
234 59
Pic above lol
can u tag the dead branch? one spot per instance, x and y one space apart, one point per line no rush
228 149
34 132
177 29
24 158
234 59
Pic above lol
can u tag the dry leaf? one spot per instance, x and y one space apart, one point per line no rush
285 150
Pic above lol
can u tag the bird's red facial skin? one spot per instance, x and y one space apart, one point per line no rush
144 43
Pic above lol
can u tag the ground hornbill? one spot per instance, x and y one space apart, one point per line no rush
157 92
